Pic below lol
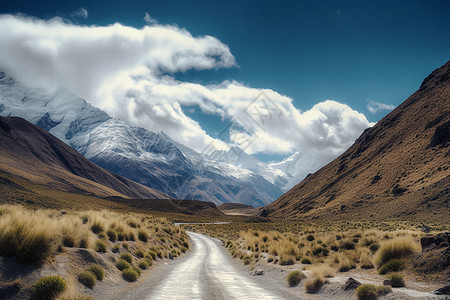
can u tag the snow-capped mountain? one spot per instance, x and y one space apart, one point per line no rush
152 159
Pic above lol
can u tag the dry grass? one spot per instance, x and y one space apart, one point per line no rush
341 246
34 235
396 249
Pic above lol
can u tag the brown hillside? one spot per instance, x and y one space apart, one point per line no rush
29 154
399 168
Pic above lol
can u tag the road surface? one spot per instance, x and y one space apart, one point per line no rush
208 272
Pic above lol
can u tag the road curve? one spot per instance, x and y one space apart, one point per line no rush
208 273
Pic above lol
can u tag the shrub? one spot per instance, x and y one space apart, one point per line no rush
143 236
112 235
383 290
143 264
85 242
130 274
122 264
313 285
305 261
24 239
366 292
394 265
347 245
97 271
87 279
101 246
97 227
374 247
310 238
397 280
137 270
49 287
365 262
345 266
286 260
127 257
152 254
139 253
68 241
115 248
396 249
125 245
334 248
294 278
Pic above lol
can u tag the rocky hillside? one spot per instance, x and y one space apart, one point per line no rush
33 155
397 168
149 158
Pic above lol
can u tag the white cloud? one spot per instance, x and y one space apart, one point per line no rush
375 107
148 19
80 13
127 72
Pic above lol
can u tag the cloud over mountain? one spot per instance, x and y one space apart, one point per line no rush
129 72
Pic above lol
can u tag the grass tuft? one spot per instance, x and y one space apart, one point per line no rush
394 265
97 271
397 280
130 274
294 278
49 287
122 264
395 249
366 292
127 256
87 278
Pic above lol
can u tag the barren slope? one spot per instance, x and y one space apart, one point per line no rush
397 168
30 153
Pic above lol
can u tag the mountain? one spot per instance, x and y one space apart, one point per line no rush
152 159
32 154
397 168
284 174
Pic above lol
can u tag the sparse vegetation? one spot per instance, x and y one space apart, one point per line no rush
395 249
294 278
313 285
397 280
394 265
87 278
127 257
97 271
49 287
130 274
122 264
101 246
366 292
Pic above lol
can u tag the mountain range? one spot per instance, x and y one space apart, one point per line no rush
31 154
149 158
398 168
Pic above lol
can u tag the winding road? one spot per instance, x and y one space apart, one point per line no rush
207 273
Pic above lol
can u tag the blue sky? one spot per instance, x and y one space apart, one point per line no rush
353 52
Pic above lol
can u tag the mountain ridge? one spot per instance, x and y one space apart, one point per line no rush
31 153
151 159
397 168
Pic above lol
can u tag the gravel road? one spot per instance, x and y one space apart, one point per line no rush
208 272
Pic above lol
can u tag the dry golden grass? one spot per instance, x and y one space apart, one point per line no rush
339 247
34 235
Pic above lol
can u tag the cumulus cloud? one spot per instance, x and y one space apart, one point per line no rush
129 73
148 19
80 13
375 107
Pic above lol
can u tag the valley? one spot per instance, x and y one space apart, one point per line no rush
168 180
